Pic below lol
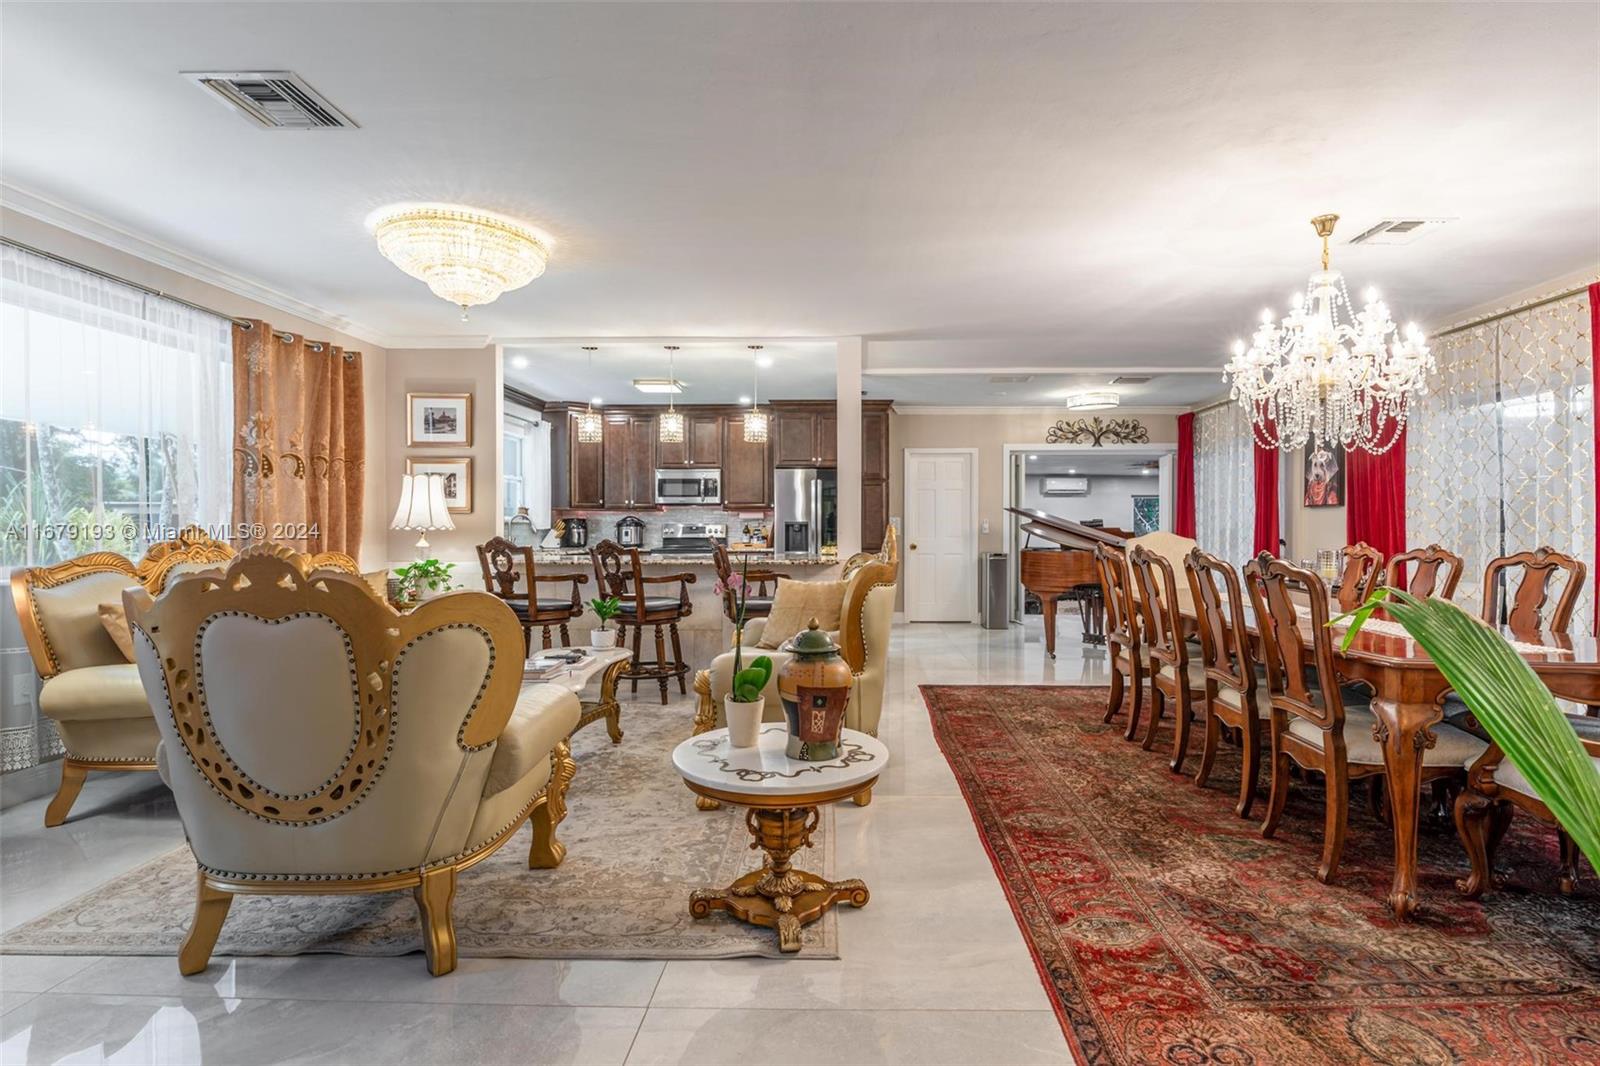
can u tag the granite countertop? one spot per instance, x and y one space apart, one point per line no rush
570 557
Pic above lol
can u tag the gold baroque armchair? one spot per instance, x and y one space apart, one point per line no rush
866 621
396 754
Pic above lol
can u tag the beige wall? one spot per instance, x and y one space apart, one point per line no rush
473 370
989 433
1308 529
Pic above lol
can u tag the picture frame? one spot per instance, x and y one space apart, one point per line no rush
457 473
442 419
1324 475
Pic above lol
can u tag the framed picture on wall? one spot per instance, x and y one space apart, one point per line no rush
439 418
1324 475
457 474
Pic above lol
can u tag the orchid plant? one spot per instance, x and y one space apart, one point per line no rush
748 682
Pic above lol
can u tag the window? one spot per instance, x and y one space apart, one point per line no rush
116 413
1146 514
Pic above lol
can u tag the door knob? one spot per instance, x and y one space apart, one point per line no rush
913 547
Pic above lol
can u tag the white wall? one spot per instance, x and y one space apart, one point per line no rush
1110 498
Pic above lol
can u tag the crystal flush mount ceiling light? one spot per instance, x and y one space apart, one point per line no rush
466 256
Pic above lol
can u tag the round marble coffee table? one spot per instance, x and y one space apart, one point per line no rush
780 796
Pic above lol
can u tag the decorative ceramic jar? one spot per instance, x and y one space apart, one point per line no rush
815 689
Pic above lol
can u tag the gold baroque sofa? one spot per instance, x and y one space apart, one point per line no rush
399 750
865 625
91 690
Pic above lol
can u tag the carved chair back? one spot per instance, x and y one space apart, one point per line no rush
1525 610
387 720
1435 571
1300 667
619 573
1219 606
1363 568
1158 601
507 568
190 551
1122 624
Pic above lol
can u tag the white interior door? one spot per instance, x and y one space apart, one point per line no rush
941 537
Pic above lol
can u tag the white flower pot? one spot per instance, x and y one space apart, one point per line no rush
744 721
602 638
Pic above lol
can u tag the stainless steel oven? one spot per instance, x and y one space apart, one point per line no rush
689 486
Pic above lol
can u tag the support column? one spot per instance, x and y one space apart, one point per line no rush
848 361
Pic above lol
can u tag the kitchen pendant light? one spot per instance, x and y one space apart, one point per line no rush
755 419
669 424
590 425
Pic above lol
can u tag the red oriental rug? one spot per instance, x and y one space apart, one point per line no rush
1168 931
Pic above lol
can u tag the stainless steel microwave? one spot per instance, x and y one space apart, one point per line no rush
689 486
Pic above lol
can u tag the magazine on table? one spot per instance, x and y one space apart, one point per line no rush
553 662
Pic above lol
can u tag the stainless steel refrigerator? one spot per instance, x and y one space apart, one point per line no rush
805 511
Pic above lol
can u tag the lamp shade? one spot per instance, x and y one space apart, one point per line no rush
422 504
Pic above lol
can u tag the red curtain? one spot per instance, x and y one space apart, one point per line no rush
1267 463
1375 498
1594 365
1183 522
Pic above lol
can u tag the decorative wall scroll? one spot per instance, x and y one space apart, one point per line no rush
1095 431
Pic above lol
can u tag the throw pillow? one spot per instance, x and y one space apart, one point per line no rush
796 604
115 619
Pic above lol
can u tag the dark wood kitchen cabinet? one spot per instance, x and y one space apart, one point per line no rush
746 468
794 437
577 470
701 447
827 439
629 452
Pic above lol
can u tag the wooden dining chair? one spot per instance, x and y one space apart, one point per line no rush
1363 569
1175 676
509 573
1233 695
1526 609
1130 659
619 572
758 598
1435 572
1312 724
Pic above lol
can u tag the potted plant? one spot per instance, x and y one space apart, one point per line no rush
605 608
425 579
744 705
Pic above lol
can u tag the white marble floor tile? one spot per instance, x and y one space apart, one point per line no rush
39 973
847 1038
9 1001
159 1030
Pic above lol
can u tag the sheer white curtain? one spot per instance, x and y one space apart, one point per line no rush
115 421
1224 482
1500 452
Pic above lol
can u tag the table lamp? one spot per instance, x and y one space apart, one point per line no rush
422 508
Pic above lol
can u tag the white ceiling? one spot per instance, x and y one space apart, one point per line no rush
1055 186
710 372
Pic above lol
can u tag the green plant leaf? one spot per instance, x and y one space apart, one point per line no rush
1359 616
1516 708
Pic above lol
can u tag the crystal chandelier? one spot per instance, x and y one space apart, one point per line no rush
1328 373
466 256
755 419
590 427
669 424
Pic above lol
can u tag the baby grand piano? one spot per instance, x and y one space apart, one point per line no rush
1066 570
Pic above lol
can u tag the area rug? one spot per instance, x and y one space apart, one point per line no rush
636 847
1167 930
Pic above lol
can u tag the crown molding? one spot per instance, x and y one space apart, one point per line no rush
119 238
1053 371
902 408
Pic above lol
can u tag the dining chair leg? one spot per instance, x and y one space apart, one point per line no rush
1279 794
545 633
677 661
527 640
1184 717
1135 682
661 663
1158 703
566 638
1114 701
1335 821
1569 861
1250 772
1208 747
633 682
1472 826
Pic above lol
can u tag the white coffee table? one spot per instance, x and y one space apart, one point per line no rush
781 796
608 663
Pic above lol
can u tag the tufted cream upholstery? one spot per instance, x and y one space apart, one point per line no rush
397 750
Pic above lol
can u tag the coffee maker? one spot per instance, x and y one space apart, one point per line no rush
576 533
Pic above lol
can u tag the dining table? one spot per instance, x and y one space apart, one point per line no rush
1408 694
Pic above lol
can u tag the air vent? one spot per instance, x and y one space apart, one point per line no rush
1398 230
1130 379
273 99
1009 379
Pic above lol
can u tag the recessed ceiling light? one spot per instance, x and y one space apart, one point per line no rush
597 401
763 361
658 385
1147 471
520 362
1071 470
744 399
1033 457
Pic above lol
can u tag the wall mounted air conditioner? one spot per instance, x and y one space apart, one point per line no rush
1064 486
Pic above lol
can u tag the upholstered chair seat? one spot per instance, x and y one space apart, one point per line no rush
1454 747
398 751
1194 670
651 605
1510 779
1231 697
94 693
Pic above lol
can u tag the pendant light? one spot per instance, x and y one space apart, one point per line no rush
590 425
669 424
755 419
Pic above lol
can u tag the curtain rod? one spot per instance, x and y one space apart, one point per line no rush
242 323
1498 315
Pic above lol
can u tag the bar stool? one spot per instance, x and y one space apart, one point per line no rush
508 572
619 573
758 600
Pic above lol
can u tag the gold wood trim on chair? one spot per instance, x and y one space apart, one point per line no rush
23 582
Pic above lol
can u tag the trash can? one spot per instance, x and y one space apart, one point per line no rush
993 583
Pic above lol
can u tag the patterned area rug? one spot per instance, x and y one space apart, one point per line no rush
636 847
1167 930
